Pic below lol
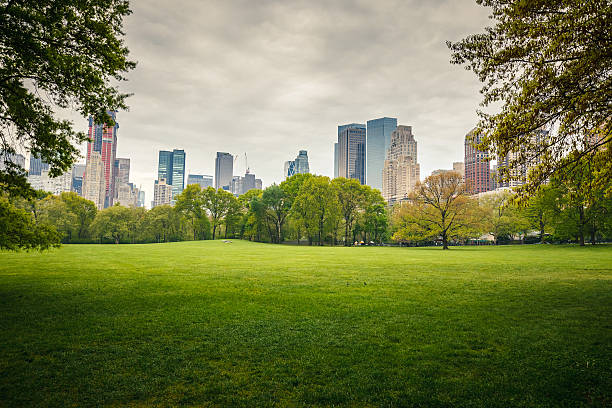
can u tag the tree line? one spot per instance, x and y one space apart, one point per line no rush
314 210
574 206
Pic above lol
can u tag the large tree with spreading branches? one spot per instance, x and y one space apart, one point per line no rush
57 54
548 64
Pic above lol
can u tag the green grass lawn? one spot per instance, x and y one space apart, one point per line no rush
245 324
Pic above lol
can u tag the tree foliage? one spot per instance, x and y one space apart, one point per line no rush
218 203
18 230
549 64
112 223
500 217
57 54
438 208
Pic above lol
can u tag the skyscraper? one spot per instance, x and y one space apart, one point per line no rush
171 168
103 140
204 181
94 187
224 170
297 166
352 152
477 166
162 193
289 169
178 172
127 195
240 185
37 165
401 171
301 163
164 166
378 141
141 198
78 172
336 160
122 171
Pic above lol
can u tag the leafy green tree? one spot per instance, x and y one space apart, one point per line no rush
112 223
250 223
316 204
191 204
291 187
84 211
438 208
163 224
257 223
54 211
500 217
351 197
278 206
548 64
582 207
19 231
217 202
375 217
137 224
540 209
66 54
232 216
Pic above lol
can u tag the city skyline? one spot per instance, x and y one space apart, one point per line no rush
189 92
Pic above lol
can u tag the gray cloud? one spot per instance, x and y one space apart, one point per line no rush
272 77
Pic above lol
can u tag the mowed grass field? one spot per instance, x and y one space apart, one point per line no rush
246 324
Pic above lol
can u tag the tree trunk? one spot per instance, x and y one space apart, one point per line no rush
593 236
346 233
541 231
444 241
581 229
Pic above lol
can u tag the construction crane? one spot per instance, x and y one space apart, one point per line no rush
246 161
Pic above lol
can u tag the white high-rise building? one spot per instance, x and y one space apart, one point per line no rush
401 171
94 182
162 193
127 195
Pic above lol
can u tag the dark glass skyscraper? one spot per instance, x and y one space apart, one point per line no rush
224 170
171 167
378 141
164 166
352 152
178 172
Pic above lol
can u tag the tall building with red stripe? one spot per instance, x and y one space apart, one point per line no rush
103 139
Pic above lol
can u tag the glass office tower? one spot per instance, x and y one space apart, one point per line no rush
378 141
178 172
171 167
352 152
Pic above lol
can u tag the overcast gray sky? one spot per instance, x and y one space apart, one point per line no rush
270 77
